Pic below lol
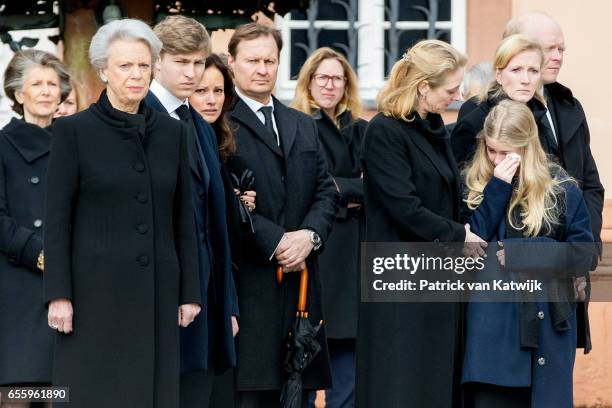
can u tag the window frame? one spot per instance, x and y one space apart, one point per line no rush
371 54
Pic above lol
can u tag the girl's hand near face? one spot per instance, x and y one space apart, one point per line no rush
506 169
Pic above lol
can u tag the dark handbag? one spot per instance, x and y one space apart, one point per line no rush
245 183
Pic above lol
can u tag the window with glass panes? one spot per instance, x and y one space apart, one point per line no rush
371 33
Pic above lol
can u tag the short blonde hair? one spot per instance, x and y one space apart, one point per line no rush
182 35
428 60
303 100
509 48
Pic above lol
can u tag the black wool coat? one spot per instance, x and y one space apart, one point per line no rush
120 243
576 157
26 343
409 354
294 191
339 263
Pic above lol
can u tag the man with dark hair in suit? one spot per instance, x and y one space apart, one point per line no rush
569 137
207 345
296 205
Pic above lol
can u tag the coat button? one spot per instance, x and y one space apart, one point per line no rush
283 178
541 361
139 167
34 180
142 228
143 260
142 198
37 223
541 315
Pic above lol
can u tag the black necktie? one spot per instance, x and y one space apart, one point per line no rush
267 112
183 113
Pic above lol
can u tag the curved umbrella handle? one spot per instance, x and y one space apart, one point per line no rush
303 294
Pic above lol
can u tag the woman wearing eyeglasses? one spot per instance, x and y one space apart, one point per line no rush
327 90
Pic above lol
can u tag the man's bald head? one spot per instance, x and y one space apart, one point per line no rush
548 33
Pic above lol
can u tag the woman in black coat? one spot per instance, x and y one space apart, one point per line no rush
409 354
517 64
121 272
36 82
327 89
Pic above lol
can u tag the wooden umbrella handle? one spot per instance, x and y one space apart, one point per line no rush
303 294
279 274
303 290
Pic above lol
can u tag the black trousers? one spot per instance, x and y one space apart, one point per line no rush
196 388
480 395
264 399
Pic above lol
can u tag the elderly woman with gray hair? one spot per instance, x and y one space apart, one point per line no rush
36 82
120 247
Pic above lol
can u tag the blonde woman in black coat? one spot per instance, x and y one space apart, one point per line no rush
409 354
35 82
121 264
327 90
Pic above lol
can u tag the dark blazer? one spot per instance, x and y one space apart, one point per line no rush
26 345
294 191
495 353
120 244
409 354
208 342
339 263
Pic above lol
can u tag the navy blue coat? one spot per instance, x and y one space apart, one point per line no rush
208 342
493 353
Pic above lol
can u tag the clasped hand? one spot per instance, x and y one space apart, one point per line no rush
293 249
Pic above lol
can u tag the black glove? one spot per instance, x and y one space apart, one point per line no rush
245 183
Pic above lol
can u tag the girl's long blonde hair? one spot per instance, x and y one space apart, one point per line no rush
536 197
509 48
303 100
427 60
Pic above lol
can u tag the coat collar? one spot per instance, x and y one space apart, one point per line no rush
285 122
143 122
569 115
29 140
432 127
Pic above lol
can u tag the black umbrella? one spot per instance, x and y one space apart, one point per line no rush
302 346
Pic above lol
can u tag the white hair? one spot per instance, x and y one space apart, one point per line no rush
126 29
479 75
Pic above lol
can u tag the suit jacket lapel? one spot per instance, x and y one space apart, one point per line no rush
286 124
154 103
568 119
243 114
206 148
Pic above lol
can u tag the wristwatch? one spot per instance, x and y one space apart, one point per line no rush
315 240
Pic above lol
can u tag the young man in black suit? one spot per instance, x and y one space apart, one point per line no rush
296 203
207 346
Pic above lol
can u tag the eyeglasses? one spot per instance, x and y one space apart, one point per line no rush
322 80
